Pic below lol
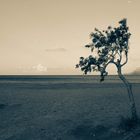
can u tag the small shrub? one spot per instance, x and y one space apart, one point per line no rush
127 124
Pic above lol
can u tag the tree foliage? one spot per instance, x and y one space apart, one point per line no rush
108 46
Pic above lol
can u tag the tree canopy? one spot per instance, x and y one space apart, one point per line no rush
108 46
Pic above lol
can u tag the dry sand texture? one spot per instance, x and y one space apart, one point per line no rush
63 110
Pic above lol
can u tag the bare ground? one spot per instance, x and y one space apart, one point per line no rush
65 112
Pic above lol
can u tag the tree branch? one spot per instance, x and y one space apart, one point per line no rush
126 60
111 61
103 71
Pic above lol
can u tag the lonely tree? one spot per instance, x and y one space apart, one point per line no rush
109 47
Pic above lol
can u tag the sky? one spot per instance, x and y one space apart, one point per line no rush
48 36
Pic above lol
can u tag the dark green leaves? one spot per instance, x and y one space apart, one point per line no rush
123 22
108 46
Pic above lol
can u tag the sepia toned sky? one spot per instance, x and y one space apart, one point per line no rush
48 36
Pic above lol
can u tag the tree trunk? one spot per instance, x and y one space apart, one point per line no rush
130 95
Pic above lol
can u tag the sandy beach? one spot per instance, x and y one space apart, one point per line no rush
64 108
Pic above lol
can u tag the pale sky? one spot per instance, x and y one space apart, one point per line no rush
48 36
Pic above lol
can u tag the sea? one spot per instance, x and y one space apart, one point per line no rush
64 81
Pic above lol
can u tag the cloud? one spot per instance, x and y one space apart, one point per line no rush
136 72
39 68
56 50
129 1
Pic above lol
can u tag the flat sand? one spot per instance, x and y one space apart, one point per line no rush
64 110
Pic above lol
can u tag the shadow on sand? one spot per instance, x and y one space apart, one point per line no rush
99 132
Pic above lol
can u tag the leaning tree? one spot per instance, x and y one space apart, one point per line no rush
109 46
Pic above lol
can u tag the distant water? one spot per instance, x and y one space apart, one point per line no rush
65 78
64 81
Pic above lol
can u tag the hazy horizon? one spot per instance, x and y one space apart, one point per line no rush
47 37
